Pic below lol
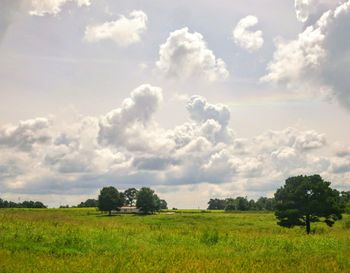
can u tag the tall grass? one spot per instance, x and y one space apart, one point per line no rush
82 240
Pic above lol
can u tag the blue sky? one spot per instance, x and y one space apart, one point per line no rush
207 98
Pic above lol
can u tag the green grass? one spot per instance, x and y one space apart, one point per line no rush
82 240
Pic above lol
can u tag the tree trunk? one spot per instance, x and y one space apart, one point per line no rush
110 213
308 226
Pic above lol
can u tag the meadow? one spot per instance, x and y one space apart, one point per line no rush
83 240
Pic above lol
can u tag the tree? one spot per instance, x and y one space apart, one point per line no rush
109 199
163 204
216 204
147 201
252 205
89 203
130 196
242 203
347 207
306 199
264 203
230 204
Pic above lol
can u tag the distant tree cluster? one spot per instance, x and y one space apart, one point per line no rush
144 199
89 203
24 204
241 204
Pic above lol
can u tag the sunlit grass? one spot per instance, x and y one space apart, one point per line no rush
83 240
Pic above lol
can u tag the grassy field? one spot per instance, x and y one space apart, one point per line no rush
82 240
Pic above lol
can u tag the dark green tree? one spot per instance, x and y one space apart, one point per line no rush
242 203
265 203
307 199
163 204
347 207
230 204
216 204
147 201
252 205
89 203
130 196
110 199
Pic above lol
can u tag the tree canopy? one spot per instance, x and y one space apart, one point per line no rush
110 199
24 204
306 199
130 196
241 203
147 201
89 203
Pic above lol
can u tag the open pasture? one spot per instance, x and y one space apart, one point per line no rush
83 240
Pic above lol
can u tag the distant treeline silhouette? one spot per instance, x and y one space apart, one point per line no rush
263 203
24 204
242 204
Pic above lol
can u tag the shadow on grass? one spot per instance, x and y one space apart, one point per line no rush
106 215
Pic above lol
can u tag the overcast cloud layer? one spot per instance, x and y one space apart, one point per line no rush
192 99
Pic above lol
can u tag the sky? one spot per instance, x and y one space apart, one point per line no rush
195 99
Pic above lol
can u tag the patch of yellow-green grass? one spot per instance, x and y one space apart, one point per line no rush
83 240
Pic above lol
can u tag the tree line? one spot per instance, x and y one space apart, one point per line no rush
24 204
242 204
264 203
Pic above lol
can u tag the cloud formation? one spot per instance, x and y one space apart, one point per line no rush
244 37
53 7
128 147
186 54
26 134
304 9
125 31
316 62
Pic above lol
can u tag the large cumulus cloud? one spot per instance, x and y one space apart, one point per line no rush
185 54
128 147
316 62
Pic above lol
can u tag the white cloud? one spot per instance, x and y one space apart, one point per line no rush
124 31
26 134
317 61
53 7
304 9
185 55
131 126
127 147
244 37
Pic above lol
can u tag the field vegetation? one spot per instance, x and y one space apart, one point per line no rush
84 240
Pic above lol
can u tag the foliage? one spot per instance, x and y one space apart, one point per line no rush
147 201
306 199
163 204
130 196
347 207
216 204
110 199
241 204
89 203
24 204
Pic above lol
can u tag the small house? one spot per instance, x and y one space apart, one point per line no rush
127 209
